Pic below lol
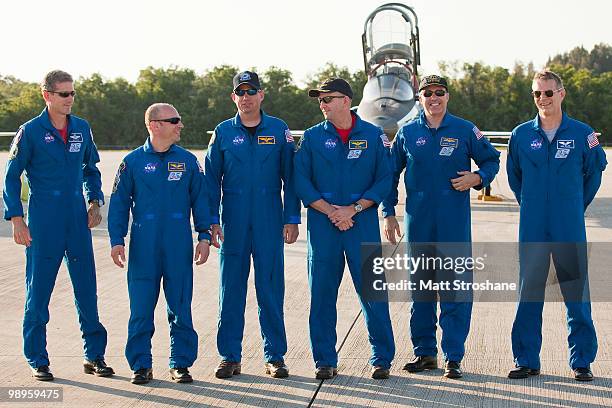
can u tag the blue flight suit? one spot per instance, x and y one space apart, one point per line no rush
244 174
437 213
341 174
553 182
162 190
58 173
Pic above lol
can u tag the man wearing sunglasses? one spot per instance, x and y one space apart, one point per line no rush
162 184
554 169
248 163
342 173
57 152
436 150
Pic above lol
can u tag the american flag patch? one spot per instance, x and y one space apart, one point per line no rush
592 139
477 132
288 136
385 140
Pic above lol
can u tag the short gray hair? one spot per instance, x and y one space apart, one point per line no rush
546 74
53 78
152 111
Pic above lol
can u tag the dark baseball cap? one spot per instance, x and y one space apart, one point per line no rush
432 80
332 85
246 77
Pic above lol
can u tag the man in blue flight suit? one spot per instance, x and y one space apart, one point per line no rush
342 173
58 154
248 158
162 184
436 149
554 169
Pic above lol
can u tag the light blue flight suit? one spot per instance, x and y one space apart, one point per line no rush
341 174
554 182
162 190
58 174
437 213
245 175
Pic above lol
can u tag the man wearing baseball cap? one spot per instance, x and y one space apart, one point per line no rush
342 173
249 161
436 149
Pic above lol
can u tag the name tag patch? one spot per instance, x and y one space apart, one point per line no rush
354 154
175 175
447 151
449 142
565 144
562 153
75 137
176 166
266 140
74 147
358 144
330 143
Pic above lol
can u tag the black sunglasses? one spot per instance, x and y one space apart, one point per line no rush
63 94
250 92
174 121
548 93
328 99
438 92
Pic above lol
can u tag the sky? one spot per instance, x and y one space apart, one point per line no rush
119 38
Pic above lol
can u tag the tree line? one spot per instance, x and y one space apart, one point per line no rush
494 98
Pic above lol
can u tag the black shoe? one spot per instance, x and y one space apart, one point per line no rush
277 369
42 373
180 375
325 373
523 372
97 368
142 376
226 369
379 373
421 363
583 374
452 369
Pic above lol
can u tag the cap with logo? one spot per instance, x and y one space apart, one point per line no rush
332 85
433 80
246 77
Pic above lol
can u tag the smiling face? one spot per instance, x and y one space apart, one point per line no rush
434 105
166 131
548 105
57 104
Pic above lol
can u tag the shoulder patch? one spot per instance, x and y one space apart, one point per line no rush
14 150
385 140
288 136
120 171
477 132
592 140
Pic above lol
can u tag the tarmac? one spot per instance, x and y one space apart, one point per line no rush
486 364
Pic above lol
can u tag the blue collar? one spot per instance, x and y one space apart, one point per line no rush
148 147
46 120
535 123
359 123
445 120
236 122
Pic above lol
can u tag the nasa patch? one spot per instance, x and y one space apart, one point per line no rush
238 140
150 167
330 143
421 141
536 144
